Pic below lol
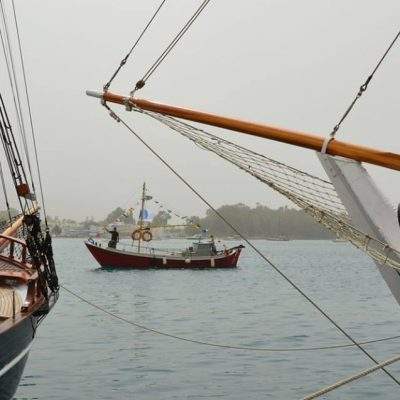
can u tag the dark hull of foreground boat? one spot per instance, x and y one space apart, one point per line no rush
113 258
15 342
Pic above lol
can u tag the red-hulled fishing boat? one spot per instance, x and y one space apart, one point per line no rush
202 254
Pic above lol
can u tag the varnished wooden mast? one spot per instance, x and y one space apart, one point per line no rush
309 141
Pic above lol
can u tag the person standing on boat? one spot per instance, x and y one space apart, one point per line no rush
213 247
114 238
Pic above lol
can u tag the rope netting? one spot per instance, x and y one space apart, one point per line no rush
315 196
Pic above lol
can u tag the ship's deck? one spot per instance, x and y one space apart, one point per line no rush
13 269
6 301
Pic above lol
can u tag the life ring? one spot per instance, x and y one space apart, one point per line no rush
143 234
136 234
147 236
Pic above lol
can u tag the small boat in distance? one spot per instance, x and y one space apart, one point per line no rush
194 237
280 238
202 254
339 240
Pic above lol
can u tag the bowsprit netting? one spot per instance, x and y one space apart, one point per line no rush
317 197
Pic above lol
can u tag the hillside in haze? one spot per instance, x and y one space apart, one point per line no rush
262 221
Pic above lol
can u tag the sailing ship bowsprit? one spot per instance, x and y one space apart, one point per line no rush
28 279
348 203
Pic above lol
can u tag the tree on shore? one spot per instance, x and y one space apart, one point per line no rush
161 218
262 221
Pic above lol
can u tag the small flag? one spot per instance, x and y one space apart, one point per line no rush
146 215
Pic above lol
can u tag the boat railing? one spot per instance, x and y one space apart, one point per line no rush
133 247
14 249
4 224
152 250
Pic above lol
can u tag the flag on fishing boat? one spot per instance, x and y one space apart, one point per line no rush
145 215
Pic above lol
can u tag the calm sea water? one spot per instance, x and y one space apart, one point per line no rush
80 353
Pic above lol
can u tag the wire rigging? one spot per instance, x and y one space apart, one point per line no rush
363 87
265 258
315 196
125 59
7 136
3 184
218 345
29 112
17 97
169 48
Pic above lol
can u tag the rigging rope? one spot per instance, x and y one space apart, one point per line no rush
3 184
169 48
11 150
30 113
13 163
315 196
352 378
125 59
265 258
17 101
218 345
363 87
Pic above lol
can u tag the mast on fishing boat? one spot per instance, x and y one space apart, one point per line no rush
141 214
199 255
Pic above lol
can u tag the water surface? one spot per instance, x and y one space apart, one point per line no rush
80 353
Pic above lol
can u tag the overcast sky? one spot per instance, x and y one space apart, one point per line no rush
288 63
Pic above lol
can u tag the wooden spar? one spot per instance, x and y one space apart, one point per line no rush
12 230
309 141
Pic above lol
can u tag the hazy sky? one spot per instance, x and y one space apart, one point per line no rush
288 63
